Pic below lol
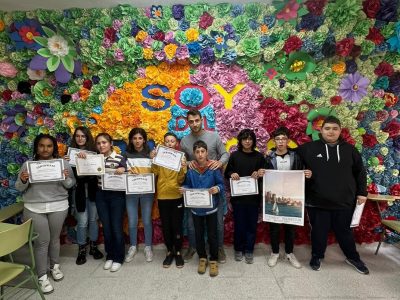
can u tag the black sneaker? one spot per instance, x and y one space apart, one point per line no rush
168 260
358 265
315 263
179 260
81 259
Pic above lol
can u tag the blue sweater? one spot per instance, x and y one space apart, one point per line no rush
196 180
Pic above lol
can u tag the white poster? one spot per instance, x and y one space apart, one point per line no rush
283 197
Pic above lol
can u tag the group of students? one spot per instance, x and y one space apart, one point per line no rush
335 178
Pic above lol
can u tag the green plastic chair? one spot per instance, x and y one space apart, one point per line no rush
11 210
13 238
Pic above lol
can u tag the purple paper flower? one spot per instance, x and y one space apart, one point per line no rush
394 83
117 24
351 66
207 56
182 52
388 11
178 11
119 55
353 87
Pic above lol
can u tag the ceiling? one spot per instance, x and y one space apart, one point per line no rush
11 5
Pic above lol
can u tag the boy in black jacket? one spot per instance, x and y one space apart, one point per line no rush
338 181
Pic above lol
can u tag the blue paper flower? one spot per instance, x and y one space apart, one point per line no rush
394 41
23 32
219 40
156 11
191 97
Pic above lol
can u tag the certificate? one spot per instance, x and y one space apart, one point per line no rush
45 170
168 158
244 186
72 152
197 198
140 183
91 165
113 182
355 220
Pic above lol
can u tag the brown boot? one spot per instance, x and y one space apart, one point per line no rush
202 266
213 268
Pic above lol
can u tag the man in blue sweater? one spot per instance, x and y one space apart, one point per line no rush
338 182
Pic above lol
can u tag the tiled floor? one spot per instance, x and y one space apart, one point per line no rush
141 280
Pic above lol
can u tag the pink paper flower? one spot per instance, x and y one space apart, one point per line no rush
289 12
8 70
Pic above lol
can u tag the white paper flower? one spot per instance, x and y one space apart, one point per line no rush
36 74
58 46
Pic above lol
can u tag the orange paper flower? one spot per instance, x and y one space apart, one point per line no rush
339 68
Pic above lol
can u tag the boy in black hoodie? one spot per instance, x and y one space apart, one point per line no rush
338 182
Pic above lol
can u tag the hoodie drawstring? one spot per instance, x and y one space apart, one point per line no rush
337 152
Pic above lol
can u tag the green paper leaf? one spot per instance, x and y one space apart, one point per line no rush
53 63
72 52
45 52
68 63
292 22
48 31
315 135
42 41
302 11
309 129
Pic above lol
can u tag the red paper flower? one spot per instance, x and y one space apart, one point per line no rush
159 36
395 189
375 36
344 47
371 8
372 188
206 20
384 69
336 100
345 134
27 33
390 99
393 128
6 95
87 84
293 43
289 12
110 34
356 51
369 140
316 7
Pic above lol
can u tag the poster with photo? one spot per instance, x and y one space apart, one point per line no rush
283 197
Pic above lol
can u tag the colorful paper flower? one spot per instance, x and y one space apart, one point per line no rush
315 119
353 87
57 55
23 33
156 11
219 40
298 65
7 69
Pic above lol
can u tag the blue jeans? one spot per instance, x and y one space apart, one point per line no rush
146 205
111 209
220 223
88 217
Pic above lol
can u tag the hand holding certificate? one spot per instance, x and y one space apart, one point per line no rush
91 165
168 158
140 184
197 198
244 186
46 170
72 154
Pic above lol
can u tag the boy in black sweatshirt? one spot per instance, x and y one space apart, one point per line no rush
338 182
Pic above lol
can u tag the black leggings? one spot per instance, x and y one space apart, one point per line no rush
275 231
171 214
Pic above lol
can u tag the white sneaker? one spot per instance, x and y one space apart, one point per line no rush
293 260
45 285
56 273
115 267
108 264
131 253
273 259
148 253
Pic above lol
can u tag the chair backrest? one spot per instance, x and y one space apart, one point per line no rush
15 237
11 210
